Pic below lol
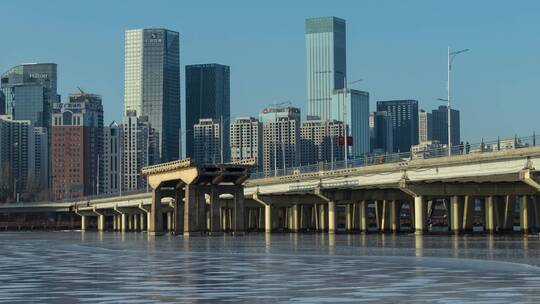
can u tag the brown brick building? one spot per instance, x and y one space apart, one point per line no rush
77 147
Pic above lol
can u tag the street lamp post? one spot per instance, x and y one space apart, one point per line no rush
451 56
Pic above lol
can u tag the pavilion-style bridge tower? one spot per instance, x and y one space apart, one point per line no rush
189 185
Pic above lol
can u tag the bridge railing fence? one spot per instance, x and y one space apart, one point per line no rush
377 159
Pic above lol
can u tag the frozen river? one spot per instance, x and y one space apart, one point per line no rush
91 267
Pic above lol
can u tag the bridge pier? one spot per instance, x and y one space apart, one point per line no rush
362 213
490 214
190 210
215 212
456 213
142 221
84 222
239 207
524 214
331 217
155 225
419 215
267 218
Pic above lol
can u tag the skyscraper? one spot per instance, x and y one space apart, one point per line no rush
404 115
2 103
246 140
77 147
207 96
440 126
29 92
425 126
152 84
207 141
352 108
326 68
281 137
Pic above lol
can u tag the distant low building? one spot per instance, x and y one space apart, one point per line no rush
428 149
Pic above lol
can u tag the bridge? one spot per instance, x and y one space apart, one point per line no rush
495 190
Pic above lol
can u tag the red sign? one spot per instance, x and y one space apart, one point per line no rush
341 141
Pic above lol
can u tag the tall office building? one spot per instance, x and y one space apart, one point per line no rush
425 126
2 103
16 153
29 92
320 141
41 160
326 67
77 147
152 84
246 140
383 141
207 96
440 126
208 144
404 115
112 150
139 149
352 107
281 137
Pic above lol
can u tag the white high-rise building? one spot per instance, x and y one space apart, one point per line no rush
320 141
139 149
112 148
425 128
325 63
246 140
352 107
281 138
207 148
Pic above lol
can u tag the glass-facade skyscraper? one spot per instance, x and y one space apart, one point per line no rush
404 115
29 92
152 84
208 95
352 107
326 68
440 125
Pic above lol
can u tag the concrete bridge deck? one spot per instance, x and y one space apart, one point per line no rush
485 187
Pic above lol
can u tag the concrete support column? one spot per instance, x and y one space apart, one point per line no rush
214 211
169 221
348 217
395 210
456 213
101 222
148 219
156 220
178 212
84 222
114 223
490 214
124 222
190 210
419 215
130 222
379 207
294 218
239 210
468 213
136 226
362 213
201 211
332 217
322 218
524 213
142 220
509 212
268 218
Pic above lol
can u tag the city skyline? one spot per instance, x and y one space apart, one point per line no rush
385 76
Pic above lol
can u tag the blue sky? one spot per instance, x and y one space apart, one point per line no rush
397 47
